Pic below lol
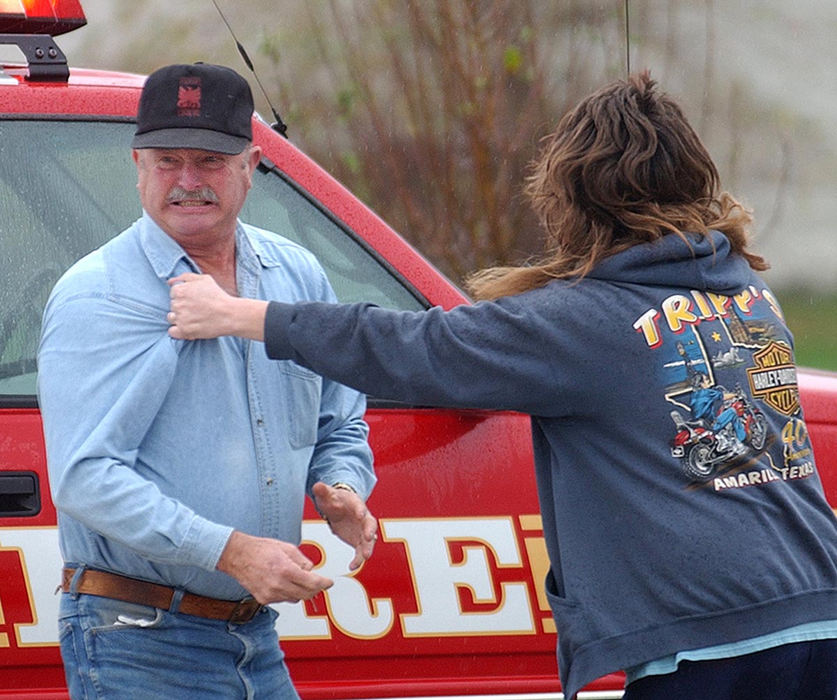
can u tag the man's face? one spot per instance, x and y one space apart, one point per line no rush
194 196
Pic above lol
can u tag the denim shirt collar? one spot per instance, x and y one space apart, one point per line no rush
168 259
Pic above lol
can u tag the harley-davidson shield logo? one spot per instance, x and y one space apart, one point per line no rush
773 379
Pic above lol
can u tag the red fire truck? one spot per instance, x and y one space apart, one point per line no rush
451 604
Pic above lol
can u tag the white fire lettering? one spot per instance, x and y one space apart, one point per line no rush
450 562
437 579
41 561
349 606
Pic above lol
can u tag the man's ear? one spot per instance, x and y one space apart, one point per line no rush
255 157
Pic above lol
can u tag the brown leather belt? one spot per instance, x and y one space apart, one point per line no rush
155 595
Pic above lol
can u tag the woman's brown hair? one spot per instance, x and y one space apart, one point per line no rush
622 168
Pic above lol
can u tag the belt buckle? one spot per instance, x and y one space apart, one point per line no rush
244 611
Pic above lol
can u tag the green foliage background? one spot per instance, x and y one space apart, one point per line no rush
813 321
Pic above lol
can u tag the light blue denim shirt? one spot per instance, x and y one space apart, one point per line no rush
158 448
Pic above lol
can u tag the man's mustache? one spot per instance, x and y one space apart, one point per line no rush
204 194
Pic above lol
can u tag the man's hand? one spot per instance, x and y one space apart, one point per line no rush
271 570
349 519
201 309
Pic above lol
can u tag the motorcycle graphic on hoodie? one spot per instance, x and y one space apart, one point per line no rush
720 431
724 426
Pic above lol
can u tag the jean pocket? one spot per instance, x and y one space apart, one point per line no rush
107 614
65 631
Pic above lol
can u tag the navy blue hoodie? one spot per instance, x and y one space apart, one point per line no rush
680 499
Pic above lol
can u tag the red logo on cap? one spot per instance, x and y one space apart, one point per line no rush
189 97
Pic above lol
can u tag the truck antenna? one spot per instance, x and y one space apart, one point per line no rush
627 38
279 126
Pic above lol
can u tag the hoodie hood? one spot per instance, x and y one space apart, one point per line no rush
705 263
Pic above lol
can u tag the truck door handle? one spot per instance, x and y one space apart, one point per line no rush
20 494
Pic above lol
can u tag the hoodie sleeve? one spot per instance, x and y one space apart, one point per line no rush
491 355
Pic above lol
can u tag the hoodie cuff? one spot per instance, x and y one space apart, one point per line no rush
277 321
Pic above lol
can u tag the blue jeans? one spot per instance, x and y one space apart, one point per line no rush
120 650
800 671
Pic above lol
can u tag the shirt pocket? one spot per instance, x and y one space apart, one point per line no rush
301 391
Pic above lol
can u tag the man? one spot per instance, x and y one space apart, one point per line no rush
179 470
724 590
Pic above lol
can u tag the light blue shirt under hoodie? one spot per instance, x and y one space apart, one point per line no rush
157 448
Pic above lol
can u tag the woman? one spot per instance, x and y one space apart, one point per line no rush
702 573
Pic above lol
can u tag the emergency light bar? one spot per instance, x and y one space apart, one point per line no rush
51 17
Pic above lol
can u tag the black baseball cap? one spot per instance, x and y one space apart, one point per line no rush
199 106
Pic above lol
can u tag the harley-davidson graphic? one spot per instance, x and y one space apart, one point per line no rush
728 366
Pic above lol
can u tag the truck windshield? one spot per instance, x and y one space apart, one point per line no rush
66 187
